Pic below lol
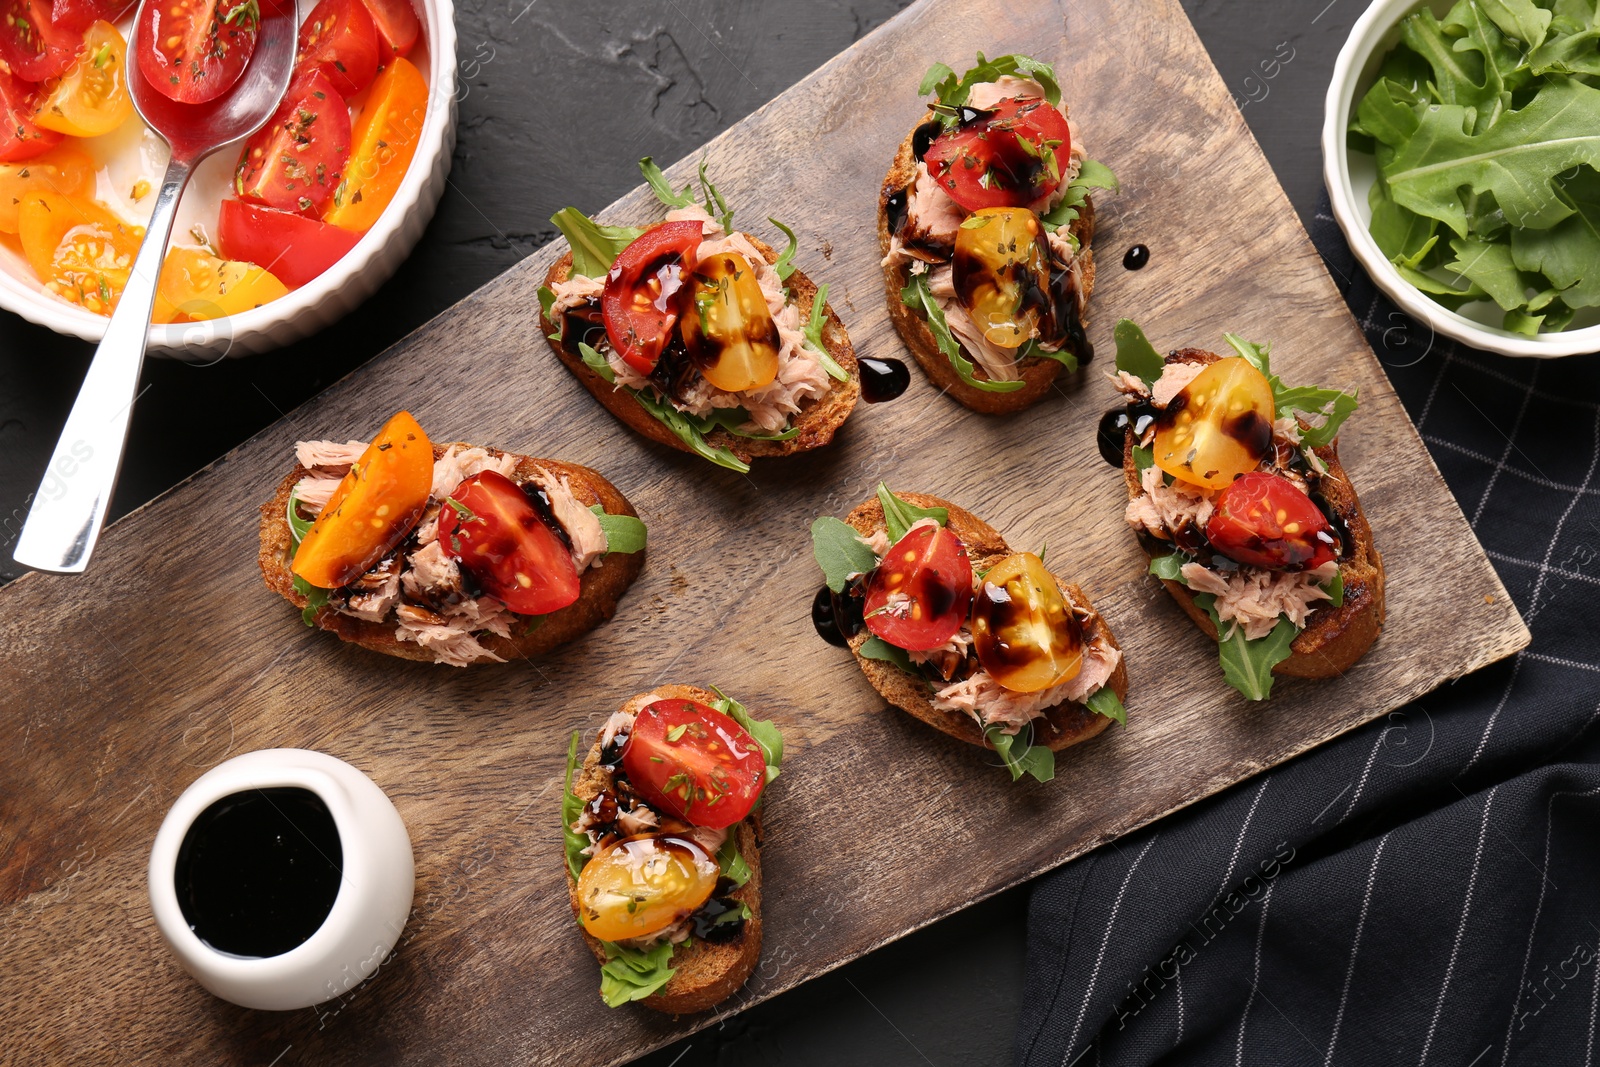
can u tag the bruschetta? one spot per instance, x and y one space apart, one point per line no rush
1236 493
455 554
662 821
697 335
952 626
986 223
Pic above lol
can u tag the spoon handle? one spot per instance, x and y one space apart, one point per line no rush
70 505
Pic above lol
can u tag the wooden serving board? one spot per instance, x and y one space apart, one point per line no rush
122 686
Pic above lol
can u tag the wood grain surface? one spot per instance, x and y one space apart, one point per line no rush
123 686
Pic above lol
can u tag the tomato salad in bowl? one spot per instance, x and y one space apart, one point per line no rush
79 169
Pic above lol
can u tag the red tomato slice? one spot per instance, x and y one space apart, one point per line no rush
295 161
491 526
396 21
294 248
640 303
76 16
695 763
1009 156
31 44
19 138
198 53
918 596
1264 520
339 40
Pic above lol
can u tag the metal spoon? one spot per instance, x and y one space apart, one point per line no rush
69 508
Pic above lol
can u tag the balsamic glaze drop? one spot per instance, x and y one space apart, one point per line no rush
882 379
1136 258
1112 435
258 872
923 136
837 616
894 209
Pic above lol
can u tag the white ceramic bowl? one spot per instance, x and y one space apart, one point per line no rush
1350 175
311 307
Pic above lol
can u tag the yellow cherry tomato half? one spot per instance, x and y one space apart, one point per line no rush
196 285
64 169
1218 427
1001 271
727 326
382 141
91 98
80 250
374 507
1023 628
643 885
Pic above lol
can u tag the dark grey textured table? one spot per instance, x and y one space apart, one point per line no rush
559 99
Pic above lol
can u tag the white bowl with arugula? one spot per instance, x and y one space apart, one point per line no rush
1461 149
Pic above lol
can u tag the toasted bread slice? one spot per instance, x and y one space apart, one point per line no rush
1334 638
817 421
599 587
1037 374
707 973
1066 724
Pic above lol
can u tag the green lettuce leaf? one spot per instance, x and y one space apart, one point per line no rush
898 515
1036 760
594 247
917 296
571 808
840 552
1103 701
1135 353
624 533
629 974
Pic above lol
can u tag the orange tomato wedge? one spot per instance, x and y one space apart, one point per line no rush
91 98
80 250
64 169
373 509
382 143
196 285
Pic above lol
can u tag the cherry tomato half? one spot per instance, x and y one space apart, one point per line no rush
640 303
1218 427
727 326
643 885
1008 156
490 525
31 43
65 169
294 248
383 140
20 139
917 597
694 763
397 25
194 50
295 162
1023 629
339 39
82 252
76 16
1265 520
374 507
196 285
91 98
1001 271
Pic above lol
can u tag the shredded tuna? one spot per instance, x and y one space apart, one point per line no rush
949 657
330 455
432 578
620 722
709 227
582 525
878 541
574 292
1254 597
450 640
931 222
1162 509
371 596
1000 364
1174 378
991 704
313 492
458 464
1287 430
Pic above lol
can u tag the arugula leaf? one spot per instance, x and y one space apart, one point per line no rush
1169 567
1033 349
690 431
1521 19
315 598
547 300
1489 266
898 516
597 362
764 731
917 296
877 648
594 247
953 92
1143 457
1568 254
1103 701
1335 590
785 265
742 913
624 533
629 974
840 552
662 188
1247 665
1091 175
298 526
571 808
1135 353
733 866
1333 405
813 332
1036 760
714 204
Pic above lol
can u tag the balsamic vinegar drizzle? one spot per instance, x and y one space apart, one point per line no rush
1136 258
882 379
837 616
